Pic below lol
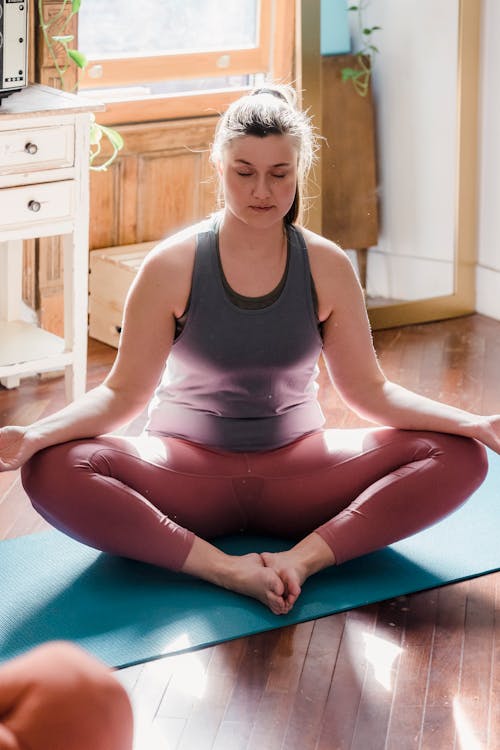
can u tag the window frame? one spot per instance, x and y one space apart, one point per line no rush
272 56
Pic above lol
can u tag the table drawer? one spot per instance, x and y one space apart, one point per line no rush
35 204
34 149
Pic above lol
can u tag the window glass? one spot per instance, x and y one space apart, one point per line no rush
156 88
152 27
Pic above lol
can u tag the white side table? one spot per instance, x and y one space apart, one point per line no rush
44 191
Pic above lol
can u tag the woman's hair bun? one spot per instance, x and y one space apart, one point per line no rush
285 93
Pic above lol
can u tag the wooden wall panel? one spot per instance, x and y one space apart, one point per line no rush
104 218
126 197
349 178
167 199
161 181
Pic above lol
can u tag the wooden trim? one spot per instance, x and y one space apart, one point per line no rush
309 88
283 41
204 104
174 66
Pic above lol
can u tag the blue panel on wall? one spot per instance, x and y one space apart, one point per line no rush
335 36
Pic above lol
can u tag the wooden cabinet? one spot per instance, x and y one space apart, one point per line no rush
112 272
349 176
44 143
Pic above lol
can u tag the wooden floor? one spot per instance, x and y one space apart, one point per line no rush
421 671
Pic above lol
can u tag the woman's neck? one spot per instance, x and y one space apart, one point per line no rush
244 240
253 260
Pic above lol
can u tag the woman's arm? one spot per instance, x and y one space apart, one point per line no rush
353 366
159 291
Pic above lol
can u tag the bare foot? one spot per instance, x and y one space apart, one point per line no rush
295 565
290 572
247 574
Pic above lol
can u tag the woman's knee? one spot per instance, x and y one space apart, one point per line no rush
51 476
468 453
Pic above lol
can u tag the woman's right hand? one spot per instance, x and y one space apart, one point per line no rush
16 447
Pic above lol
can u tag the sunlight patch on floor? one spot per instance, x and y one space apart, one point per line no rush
381 655
188 671
466 738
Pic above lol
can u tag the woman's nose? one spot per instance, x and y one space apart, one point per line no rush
261 187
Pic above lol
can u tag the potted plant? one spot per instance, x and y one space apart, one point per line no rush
360 75
56 38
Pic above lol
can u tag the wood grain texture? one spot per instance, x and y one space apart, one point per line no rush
348 173
420 672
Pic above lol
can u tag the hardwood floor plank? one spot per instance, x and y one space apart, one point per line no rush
494 697
306 717
382 650
410 688
202 726
288 657
208 710
344 697
186 685
446 665
491 395
471 705
248 690
271 721
277 701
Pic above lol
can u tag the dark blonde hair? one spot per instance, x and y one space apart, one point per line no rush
270 110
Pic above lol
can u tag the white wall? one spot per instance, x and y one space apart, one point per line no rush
488 270
415 81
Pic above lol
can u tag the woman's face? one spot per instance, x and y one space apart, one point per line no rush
259 178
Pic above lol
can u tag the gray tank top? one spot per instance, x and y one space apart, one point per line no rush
242 379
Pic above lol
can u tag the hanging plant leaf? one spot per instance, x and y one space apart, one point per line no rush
95 134
75 5
63 38
113 137
78 58
351 74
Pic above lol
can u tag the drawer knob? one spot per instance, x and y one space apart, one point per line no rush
34 206
31 148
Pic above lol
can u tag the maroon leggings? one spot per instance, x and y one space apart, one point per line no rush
146 497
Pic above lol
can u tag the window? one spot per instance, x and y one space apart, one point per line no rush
181 57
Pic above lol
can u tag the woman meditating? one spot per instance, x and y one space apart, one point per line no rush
222 331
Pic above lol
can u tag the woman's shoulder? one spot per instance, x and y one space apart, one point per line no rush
332 271
167 269
183 241
176 252
323 253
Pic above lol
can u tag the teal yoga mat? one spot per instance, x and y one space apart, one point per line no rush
126 612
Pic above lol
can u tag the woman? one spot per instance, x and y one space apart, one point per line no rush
240 308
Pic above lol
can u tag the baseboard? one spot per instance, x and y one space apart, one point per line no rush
488 292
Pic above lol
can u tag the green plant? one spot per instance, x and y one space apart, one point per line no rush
61 21
360 76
